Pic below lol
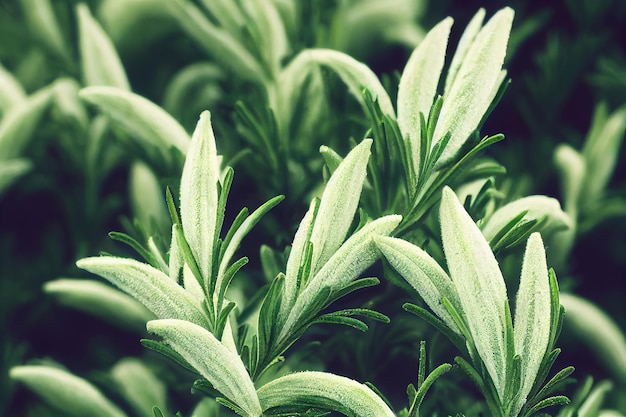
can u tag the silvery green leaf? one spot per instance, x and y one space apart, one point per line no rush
592 404
227 13
147 198
423 273
354 74
338 205
418 85
191 284
198 194
573 170
176 258
125 20
18 125
218 42
139 116
532 314
140 386
470 95
595 328
43 24
479 283
11 91
101 300
68 393
537 207
601 150
323 390
67 102
351 259
207 407
11 170
221 367
466 40
151 287
100 63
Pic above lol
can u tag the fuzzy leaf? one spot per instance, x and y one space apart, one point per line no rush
532 314
354 74
418 85
537 207
68 393
472 91
338 205
598 331
139 386
101 300
139 116
211 359
423 273
479 283
323 390
146 198
11 91
352 258
151 287
198 194
100 63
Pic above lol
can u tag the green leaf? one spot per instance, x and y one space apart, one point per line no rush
101 300
139 385
18 125
11 91
66 392
537 207
598 331
146 199
418 85
532 313
472 90
323 390
479 283
215 362
338 205
353 73
100 63
43 24
199 195
11 170
139 116
423 273
151 287
466 40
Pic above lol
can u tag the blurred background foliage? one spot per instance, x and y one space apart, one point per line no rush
565 57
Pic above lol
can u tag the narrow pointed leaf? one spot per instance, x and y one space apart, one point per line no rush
68 393
338 205
418 85
100 63
11 170
423 273
532 313
479 283
323 390
211 359
11 91
139 386
199 196
101 300
43 24
470 95
151 287
139 116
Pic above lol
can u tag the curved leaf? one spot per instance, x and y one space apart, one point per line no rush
323 390
65 391
214 361
139 386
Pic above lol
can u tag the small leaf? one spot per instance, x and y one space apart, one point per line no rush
479 283
323 390
338 205
151 287
139 116
139 386
101 300
11 91
212 360
532 313
100 62
423 273
418 85
11 170
42 23
146 198
199 195
472 91
68 393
